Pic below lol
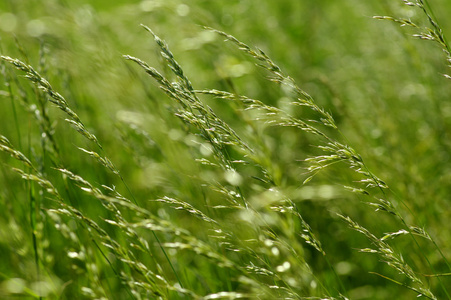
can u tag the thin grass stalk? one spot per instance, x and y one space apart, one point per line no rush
340 152
33 220
178 93
7 78
62 104
39 178
391 258
434 34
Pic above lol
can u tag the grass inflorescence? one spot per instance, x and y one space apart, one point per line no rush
223 179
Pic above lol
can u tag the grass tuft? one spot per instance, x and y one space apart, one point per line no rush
211 173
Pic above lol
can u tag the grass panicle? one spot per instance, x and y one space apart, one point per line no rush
217 182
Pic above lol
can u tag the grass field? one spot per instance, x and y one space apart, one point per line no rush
225 150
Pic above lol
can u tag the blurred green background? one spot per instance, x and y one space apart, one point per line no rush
383 87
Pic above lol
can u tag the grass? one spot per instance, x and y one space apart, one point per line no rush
313 165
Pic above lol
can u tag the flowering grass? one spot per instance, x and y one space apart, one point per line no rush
203 167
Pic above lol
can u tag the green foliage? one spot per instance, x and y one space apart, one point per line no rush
306 159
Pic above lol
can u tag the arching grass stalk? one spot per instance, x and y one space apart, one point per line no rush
335 152
58 100
218 133
7 77
435 34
